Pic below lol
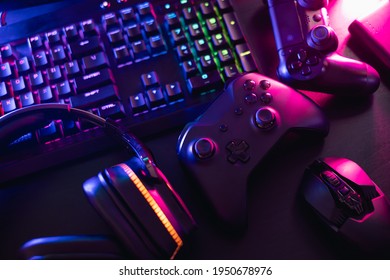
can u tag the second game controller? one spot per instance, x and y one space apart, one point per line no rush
222 147
306 46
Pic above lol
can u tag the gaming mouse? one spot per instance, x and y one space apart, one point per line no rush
342 194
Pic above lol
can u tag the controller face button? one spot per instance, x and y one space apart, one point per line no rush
223 127
266 98
306 70
312 60
204 148
317 17
251 98
249 85
238 151
265 84
238 111
265 118
296 65
302 55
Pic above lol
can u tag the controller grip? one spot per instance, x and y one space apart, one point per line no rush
347 77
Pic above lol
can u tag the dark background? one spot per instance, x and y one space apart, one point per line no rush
51 202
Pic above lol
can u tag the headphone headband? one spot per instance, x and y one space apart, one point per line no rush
22 121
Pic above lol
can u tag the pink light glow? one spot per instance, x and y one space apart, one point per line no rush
352 9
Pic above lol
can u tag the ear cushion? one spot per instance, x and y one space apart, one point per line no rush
71 247
143 211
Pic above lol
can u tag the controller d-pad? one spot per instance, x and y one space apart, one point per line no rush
237 151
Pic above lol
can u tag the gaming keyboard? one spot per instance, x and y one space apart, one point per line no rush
150 66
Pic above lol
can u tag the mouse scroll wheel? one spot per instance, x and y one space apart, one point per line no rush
331 178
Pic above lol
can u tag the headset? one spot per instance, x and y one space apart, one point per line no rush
134 198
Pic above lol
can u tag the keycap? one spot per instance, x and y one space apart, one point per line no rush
54 37
71 33
112 110
27 99
201 46
149 79
184 52
174 91
189 68
133 31
3 90
5 70
93 80
205 82
45 95
64 89
157 44
72 69
49 132
155 96
58 54
35 42
138 103
6 52
54 74
8 105
178 36
213 25
226 57
18 85
207 9
219 41
94 61
89 28
195 31
172 20
150 27
233 28
95 97
36 79
207 63
246 58
40 60
85 46
122 54
127 15
224 5
139 50
189 14
109 21
23 65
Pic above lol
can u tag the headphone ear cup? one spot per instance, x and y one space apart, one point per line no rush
71 247
145 213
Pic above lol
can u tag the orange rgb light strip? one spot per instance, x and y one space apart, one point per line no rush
156 208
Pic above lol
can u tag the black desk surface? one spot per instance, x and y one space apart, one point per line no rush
279 226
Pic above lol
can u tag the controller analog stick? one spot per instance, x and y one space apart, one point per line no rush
265 118
204 148
322 37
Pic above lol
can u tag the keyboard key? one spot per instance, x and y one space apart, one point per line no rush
18 85
138 103
219 41
207 63
54 37
195 31
85 46
112 110
247 62
184 52
139 50
64 89
8 105
45 95
178 36
201 46
89 28
122 54
155 96
58 54
95 97
5 71
40 60
226 57
189 14
149 79
3 90
93 80
27 99
233 28
6 52
144 10
128 15
54 74
150 27
49 132
213 25
157 44
36 79
230 71
207 9
71 33
72 69
189 68
224 5
94 62
116 37
172 20
110 21
134 32
205 82
23 65
35 42
174 91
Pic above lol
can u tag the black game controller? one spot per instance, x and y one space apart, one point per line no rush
222 147
306 47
